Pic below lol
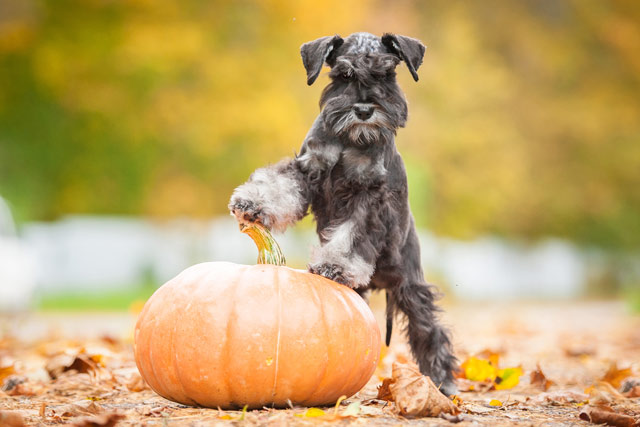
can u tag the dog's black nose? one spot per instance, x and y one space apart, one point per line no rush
363 111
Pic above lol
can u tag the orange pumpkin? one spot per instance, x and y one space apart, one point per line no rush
228 335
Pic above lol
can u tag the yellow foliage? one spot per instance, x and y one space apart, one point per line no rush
482 370
508 378
479 369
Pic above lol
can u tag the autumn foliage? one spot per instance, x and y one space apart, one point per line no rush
524 121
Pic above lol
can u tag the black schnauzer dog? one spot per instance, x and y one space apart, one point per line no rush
354 179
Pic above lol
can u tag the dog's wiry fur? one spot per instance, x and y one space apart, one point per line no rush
353 178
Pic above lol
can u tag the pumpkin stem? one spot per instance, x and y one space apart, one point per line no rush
269 251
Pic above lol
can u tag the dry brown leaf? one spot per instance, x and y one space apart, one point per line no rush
615 376
104 420
472 408
11 419
560 397
81 407
80 362
492 356
20 386
384 393
151 411
7 368
603 415
136 383
580 351
634 392
416 395
109 339
603 393
629 384
539 379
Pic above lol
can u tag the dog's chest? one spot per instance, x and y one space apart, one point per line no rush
360 167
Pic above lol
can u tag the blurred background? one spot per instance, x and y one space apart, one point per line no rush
126 124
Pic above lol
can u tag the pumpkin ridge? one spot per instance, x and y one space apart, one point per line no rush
279 308
311 285
172 348
145 363
161 383
371 341
230 321
353 368
175 352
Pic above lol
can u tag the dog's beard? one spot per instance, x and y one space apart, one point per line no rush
360 132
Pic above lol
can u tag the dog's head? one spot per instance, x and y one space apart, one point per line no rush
363 101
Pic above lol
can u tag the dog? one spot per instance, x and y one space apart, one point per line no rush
351 175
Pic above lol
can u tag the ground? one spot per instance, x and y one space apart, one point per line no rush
589 350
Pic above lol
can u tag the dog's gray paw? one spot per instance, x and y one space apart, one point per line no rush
248 211
330 271
448 388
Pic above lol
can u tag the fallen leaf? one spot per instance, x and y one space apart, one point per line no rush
312 413
634 392
136 383
478 369
615 376
7 368
416 395
579 351
560 397
383 390
81 407
507 378
353 409
104 420
486 370
492 356
109 339
158 411
629 384
11 419
495 402
80 362
20 386
599 415
539 379
472 408
603 393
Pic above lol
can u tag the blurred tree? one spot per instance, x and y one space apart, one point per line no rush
525 121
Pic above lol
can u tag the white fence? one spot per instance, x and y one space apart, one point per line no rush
92 253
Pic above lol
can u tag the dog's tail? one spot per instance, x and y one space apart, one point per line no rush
389 310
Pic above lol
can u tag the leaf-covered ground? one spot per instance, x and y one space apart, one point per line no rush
565 364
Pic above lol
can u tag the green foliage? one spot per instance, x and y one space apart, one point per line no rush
120 300
524 122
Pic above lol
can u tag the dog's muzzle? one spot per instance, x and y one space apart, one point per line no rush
363 111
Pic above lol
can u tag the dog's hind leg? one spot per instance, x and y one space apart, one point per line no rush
429 340
275 196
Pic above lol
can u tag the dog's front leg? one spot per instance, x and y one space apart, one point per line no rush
347 254
274 196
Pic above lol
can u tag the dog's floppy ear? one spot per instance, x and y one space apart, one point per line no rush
411 51
316 53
